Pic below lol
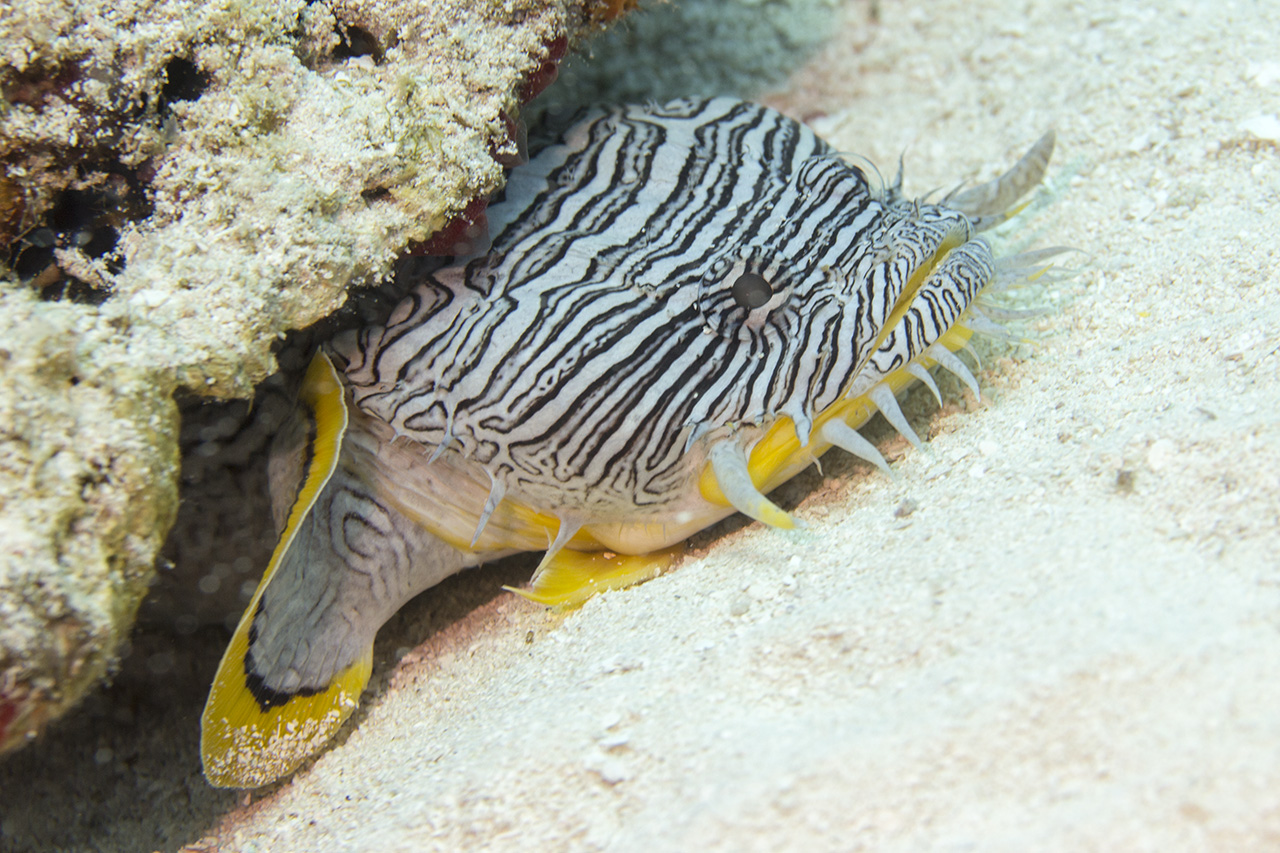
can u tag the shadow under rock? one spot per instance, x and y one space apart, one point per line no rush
122 771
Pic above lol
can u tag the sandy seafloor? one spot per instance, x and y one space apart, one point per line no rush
1072 642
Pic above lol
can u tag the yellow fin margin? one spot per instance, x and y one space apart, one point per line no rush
571 577
241 745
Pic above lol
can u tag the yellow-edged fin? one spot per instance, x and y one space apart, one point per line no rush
243 744
571 577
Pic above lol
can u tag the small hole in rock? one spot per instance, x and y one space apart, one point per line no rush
86 220
31 258
69 289
183 81
75 210
357 41
98 241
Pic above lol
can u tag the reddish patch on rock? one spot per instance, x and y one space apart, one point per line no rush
545 74
13 207
8 712
465 234
610 9
37 86
468 232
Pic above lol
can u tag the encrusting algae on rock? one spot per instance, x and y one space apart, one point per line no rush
177 189
88 467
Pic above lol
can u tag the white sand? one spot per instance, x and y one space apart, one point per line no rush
1047 653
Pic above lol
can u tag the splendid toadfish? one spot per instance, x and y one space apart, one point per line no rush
683 306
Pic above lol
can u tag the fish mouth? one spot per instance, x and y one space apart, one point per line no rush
917 280
951 260
958 254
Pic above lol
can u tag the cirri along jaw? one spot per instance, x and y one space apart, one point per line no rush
683 307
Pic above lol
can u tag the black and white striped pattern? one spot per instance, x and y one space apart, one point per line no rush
589 361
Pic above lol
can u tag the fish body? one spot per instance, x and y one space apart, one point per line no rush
684 306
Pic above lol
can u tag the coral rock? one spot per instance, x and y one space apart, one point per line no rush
232 170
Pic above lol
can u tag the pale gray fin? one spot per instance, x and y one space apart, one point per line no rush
973 353
729 464
446 440
977 321
848 439
696 431
882 396
568 527
497 491
802 423
919 371
998 313
951 362
993 199
880 191
895 191
1035 267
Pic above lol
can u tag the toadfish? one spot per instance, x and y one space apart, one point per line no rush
683 307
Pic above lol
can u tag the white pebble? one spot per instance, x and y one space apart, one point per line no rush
1262 126
1161 454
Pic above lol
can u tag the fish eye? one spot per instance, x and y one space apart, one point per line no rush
751 291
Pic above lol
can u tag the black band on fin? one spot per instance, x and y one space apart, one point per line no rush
268 697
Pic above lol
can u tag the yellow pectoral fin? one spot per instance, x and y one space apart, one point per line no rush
571 577
246 742
326 405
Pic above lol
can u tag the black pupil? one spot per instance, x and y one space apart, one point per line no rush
751 291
